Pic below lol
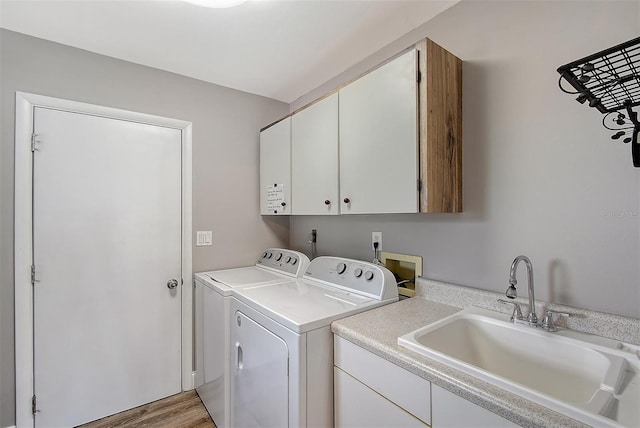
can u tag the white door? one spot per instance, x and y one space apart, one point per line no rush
259 376
107 239
275 169
314 159
379 140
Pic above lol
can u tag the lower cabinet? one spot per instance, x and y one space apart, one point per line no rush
451 410
358 406
370 391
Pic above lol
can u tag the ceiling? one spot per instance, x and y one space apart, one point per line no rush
280 49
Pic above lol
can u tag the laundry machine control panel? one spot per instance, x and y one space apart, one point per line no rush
290 262
355 276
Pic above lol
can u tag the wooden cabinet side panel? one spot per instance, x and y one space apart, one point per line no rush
441 130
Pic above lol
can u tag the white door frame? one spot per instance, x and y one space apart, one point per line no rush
23 239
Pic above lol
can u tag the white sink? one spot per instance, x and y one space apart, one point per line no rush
580 375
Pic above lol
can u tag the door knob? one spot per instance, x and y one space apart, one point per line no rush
172 283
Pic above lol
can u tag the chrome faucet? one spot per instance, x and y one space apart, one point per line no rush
512 293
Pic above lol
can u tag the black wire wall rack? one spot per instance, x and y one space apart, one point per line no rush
609 81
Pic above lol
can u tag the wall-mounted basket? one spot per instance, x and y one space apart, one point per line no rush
610 82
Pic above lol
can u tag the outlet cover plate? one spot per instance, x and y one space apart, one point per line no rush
376 237
204 238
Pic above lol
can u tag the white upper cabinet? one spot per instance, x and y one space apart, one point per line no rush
388 142
275 169
314 159
379 140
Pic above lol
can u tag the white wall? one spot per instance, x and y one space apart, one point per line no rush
225 154
541 175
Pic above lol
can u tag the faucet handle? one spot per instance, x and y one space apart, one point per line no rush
517 312
548 323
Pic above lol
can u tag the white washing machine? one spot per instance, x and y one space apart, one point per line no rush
281 347
213 292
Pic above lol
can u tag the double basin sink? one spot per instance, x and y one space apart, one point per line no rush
588 378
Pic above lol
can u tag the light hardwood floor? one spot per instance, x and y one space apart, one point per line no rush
184 410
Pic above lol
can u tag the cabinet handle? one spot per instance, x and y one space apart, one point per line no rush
347 200
283 204
327 202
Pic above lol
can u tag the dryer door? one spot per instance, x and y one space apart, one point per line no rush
259 379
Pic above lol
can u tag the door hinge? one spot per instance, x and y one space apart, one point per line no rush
33 405
33 279
34 141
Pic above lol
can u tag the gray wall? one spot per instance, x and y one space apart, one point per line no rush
541 175
225 154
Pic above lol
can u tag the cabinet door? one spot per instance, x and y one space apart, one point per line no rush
314 158
357 406
275 169
379 140
451 411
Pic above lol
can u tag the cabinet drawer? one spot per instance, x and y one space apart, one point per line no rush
408 391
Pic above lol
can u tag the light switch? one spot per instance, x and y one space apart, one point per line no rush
204 238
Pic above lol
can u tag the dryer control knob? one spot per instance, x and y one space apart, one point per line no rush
288 259
279 257
269 255
357 273
368 275
264 255
341 268
294 261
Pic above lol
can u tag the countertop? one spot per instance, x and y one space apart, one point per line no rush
378 330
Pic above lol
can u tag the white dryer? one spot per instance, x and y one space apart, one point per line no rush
213 292
281 343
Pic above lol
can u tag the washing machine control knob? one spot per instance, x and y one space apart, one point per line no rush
294 261
368 275
288 259
279 257
269 255
264 255
341 268
357 273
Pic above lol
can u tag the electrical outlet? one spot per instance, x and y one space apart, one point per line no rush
376 237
